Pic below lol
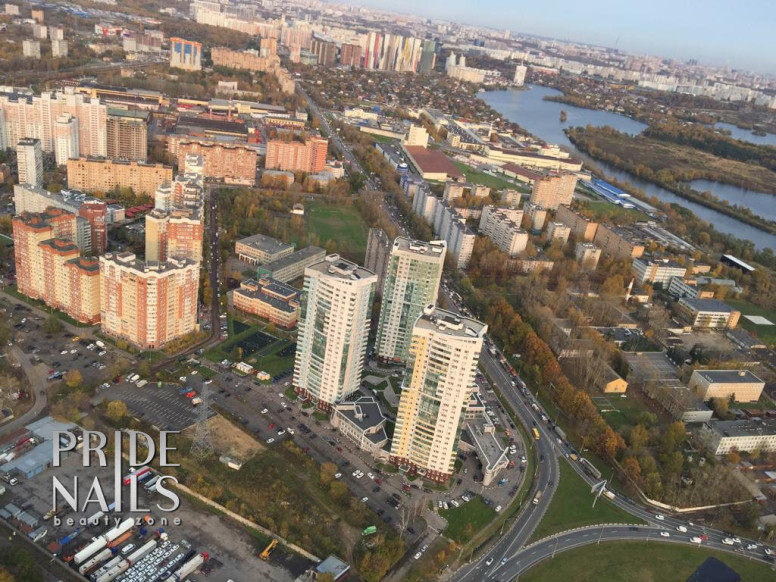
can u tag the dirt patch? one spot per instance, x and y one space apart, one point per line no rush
229 440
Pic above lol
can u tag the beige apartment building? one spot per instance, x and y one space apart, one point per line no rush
582 228
444 353
127 135
232 163
101 175
297 156
619 242
175 234
148 304
554 189
587 255
741 385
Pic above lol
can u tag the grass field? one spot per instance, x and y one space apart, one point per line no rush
484 179
619 411
638 562
767 333
341 224
603 210
466 521
571 507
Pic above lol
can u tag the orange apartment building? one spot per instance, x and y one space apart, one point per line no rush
49 266
297 156
101 175
232 163
175 234
96 212
148 304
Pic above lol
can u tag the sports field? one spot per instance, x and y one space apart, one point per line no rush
341 224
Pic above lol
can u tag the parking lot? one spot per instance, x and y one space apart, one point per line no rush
651 366
232 551
165 408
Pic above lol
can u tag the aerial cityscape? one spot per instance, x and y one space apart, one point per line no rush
310 290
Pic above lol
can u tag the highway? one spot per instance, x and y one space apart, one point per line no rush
508 556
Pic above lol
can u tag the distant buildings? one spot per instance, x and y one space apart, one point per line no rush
351 55
260 249
741 385
101 175
29 158
378 249
269 299
707 313
148 304
520 72
444 353
391 52
297 156
554 190
412 279
724 436
185 54
65 138
59 48
31 49
333 330
416 136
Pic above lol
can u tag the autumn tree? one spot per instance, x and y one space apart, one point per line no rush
116 410
638 438
720 406
52 324
632 468
73 378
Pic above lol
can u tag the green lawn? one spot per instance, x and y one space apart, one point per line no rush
571 507
341 224
637 562
484 179
619 412
466 521
767 333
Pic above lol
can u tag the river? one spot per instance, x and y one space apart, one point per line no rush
542 118
746 135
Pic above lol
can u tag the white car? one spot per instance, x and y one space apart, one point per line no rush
104 386
665 534
63 352
370 475
660 517
265 411
290 431
728 541
182 378
364 499
128 548
337 475
194 372
418 555
281 432
355 473
498 508
736 540
489 561
270 441
751 547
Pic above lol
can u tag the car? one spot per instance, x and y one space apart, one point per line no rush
681 528
290 431
272 425
751 547
498 509
660 517
270 440
370 475
264 411
73 352
665 534
418 555
337 475
194 372
104 386
705 538
736 540
489 561
364 499
281 432
423 549
128 548
355 473
63 352
728 541
503 561
695 540
376 489
182 378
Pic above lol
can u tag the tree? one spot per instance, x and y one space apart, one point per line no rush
52 324
328 470
613 286
73 378
356 180
638 438
271 328
734 457
632 468
720 406
116 410
144 368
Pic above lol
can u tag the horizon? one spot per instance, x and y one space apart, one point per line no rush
627 28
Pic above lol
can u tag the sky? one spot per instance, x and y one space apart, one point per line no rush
737 33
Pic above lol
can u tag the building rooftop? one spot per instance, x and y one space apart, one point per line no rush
668 263
334 566
213 125
714 305
364 413
433 162
742 428
293 258
485 440
89 264
728 376
451 323
41 219
336 267
134 114
61 245
130 260
275 293
434 248
265 244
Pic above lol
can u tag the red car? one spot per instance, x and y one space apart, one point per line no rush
191 394
272 425
379 481
705 538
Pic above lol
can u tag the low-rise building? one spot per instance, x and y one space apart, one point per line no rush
362 422
701 287
659 271
612 383
707 313
742 385
260 249
269 299
724 436
293 266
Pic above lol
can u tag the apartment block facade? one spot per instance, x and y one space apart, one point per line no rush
101 175
127 135
333 330
297 156
444 353
175 234
582 228
741 385
29 160
554 190
412 278
506 234
185 54
148 304
232 163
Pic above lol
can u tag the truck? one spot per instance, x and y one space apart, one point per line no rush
268 550
102 541
92 562
188 568
196 400
609 494
559 431
537 498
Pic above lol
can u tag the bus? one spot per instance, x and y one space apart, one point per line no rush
137 474
535 433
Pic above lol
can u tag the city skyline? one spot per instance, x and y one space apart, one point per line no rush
628 27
